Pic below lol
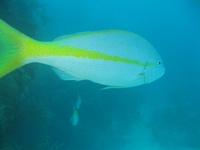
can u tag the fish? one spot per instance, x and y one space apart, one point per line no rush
114 58
75 117
78 101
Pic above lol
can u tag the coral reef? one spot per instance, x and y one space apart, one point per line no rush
177 124
10 147
3 116
19 106
22 12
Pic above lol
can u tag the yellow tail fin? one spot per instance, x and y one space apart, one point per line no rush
11 48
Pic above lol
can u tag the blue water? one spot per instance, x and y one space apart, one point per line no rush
163 115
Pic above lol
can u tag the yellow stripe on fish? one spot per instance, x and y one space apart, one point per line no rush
115 58
53 49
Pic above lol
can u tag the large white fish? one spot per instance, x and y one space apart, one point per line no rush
114 58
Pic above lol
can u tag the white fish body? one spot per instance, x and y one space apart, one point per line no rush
114 58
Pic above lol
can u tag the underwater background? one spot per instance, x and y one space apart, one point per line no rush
36 106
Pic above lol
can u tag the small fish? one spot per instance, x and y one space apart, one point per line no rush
114 58
75 118
78 101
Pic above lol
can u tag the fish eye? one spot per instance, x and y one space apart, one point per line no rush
159 62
